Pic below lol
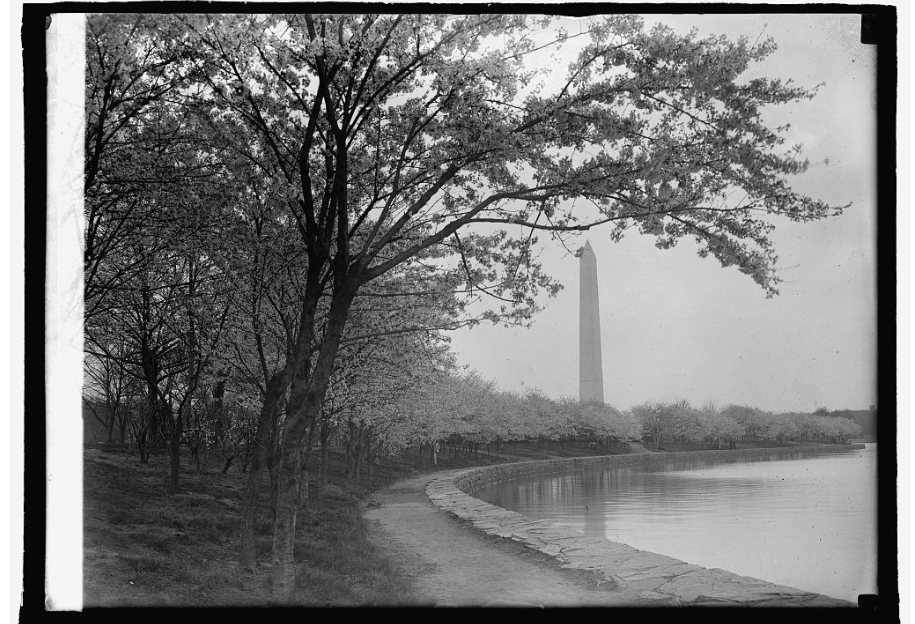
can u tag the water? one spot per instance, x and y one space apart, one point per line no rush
809 523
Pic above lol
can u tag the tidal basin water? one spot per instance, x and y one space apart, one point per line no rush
809 523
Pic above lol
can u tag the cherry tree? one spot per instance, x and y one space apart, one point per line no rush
130 143
541 410
390 349
754 421
717 427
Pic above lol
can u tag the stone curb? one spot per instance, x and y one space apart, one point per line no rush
669 581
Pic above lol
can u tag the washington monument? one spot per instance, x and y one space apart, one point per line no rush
590 375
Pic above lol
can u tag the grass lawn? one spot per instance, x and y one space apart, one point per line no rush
672 446
143 546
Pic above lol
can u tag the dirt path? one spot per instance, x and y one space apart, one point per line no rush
452 564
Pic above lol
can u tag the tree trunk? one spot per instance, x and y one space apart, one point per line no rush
357 461
174 450
219 412
304 454
109 427
369 460
266 426
324 458
309 393
287 506
141 447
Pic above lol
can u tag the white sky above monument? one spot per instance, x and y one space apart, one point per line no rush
678 326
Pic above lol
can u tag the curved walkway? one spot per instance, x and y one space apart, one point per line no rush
453 564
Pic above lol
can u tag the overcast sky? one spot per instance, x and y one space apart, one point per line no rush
678 326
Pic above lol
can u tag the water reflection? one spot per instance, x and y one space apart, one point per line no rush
807 522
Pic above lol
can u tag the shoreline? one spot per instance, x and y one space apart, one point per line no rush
654 576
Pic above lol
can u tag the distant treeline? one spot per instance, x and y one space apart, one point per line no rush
466 414
866 419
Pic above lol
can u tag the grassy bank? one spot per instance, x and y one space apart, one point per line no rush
672 446
143 546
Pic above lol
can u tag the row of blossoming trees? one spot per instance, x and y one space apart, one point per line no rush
461 415
465 414
680 422
386 414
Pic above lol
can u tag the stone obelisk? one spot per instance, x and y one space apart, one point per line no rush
591 378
